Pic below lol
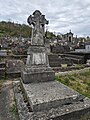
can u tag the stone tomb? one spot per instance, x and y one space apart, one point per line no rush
48 99
46 95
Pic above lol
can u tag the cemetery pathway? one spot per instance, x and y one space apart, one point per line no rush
72 72
7 102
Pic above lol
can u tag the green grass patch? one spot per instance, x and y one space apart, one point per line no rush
79 82
13 109
71 77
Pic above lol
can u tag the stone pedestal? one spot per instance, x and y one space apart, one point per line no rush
37 56
37 66
33 75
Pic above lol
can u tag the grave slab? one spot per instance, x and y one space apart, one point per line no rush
47 95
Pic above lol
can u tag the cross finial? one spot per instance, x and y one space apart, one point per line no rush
38 21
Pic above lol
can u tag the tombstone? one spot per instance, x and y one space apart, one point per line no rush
47 99
37 65
14 66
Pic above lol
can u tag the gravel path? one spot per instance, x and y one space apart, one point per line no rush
72 72
6 101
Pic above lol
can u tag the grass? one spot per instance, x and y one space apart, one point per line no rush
13 109
1 83
79 65
79 82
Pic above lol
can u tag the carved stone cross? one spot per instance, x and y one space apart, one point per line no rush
38 21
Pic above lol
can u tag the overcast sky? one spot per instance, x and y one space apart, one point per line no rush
63 15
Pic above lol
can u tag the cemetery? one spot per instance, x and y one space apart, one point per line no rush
50 82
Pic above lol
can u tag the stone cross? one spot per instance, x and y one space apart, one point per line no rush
38 21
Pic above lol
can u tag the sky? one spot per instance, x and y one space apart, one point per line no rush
63 15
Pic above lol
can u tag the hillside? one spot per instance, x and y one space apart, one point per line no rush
17 30
14 29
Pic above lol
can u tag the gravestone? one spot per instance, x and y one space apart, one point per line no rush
37 66
13 68
47 99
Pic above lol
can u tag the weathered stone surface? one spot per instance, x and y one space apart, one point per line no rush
38 21
79 110
37 66
14 66
37 74
2 69
37 56
47 95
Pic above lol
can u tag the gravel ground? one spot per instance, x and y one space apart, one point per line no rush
7 101
72 72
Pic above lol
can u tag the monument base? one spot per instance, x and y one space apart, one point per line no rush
39 74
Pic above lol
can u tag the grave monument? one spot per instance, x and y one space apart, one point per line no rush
47 99
37 66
